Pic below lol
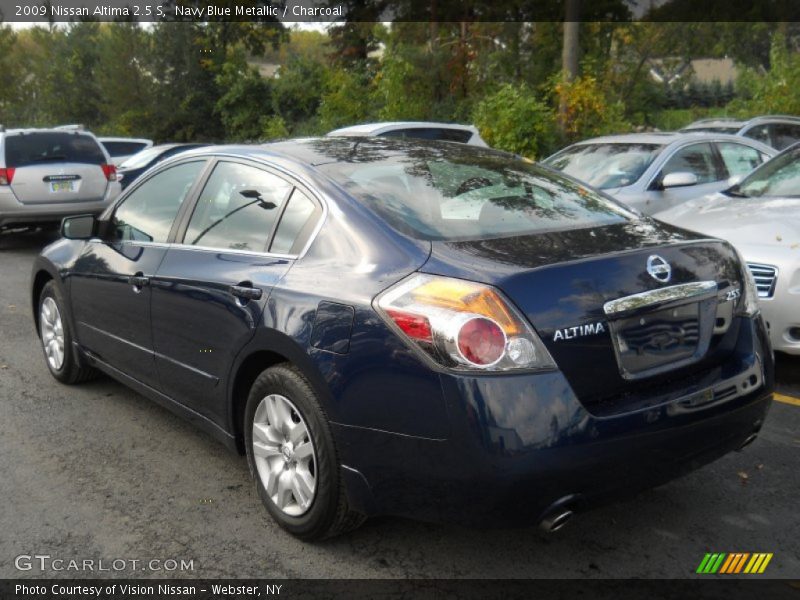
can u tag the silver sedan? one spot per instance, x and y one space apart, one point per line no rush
653 172
761 217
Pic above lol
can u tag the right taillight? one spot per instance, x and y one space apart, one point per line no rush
462 325
110 171
6 176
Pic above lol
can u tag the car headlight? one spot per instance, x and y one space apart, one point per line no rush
462 325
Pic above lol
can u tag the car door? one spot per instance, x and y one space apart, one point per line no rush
699 159
211 290
109 283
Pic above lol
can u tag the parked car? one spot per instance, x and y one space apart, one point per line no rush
777 131
423 130
310 303
141 161
121 149
653 172
47 174
761 217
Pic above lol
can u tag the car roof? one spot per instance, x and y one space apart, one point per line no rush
662 139
25 130
372 128
125 139
313 151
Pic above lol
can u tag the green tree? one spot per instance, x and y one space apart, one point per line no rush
515 120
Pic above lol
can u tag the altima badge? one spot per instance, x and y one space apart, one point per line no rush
569 333
658 268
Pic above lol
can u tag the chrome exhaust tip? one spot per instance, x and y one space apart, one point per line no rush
556 520
750 439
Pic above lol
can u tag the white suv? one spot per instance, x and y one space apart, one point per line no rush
48 174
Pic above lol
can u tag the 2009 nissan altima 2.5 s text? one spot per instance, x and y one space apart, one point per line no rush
420 329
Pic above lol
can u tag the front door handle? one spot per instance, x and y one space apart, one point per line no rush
246 292
138 281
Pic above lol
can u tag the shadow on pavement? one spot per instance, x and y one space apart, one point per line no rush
27 239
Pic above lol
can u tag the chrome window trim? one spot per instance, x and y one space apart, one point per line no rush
634 302
169 246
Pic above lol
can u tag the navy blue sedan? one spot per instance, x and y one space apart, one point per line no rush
420 329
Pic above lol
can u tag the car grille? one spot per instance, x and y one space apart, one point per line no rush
765 276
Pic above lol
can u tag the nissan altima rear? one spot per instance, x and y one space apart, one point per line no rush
419 329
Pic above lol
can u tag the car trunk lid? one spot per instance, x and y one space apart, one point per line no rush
602 303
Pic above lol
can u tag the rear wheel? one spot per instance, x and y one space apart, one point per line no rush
292 457
56 338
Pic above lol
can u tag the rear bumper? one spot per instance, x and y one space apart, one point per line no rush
519 444
14 213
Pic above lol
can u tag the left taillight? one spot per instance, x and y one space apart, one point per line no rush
6 176
462 325
110 171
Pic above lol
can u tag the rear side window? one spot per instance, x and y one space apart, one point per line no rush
237 209
148 213
738 158
697 159
50 147
295 225
431 133
784 135
123 148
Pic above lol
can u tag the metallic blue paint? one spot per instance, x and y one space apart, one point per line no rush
413 440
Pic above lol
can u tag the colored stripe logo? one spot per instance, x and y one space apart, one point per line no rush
733 563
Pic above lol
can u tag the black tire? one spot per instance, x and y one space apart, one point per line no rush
69 372
329 513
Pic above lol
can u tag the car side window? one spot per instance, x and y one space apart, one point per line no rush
759 133
696 158
147 214
738 158
784 135
237 209
296 223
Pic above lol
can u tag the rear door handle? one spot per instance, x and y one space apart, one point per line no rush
138 281
246 292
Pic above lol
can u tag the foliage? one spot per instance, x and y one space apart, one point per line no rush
346 99
191 81
774 91
587 112
513 119
245 100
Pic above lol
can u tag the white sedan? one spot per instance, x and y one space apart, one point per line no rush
760 216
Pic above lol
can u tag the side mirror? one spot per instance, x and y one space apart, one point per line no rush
679 179
81 227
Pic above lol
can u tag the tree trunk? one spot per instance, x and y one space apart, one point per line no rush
570 50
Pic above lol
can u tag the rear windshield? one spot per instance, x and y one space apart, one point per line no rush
49 147
730 129
466 194
430 133
605 166
123 148
143 158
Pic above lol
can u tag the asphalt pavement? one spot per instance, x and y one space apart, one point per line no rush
97 472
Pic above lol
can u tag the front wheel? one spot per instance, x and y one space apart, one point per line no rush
292 456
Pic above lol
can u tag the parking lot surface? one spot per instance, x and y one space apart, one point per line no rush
98 472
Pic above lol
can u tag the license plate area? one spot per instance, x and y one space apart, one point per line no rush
670 332
57 187
658 338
